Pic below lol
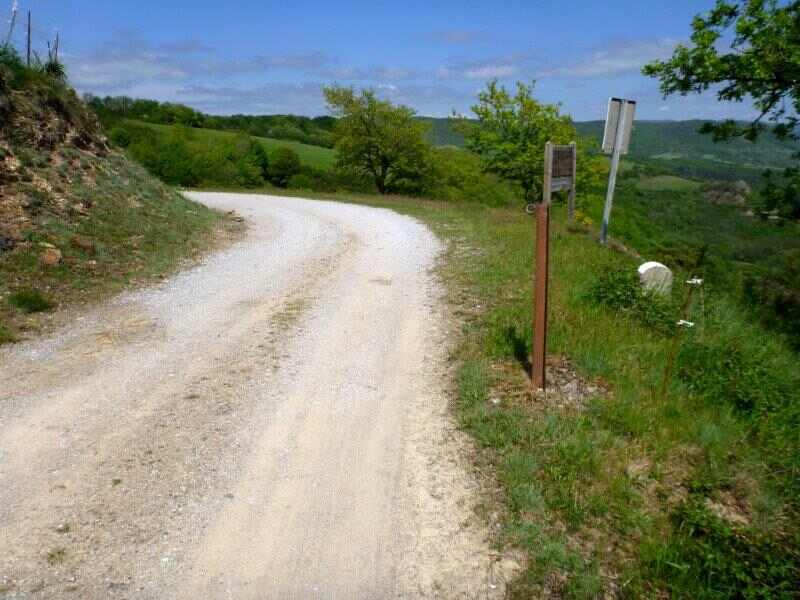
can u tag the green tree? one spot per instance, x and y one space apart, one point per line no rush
511 133
284 165
377 139
761 62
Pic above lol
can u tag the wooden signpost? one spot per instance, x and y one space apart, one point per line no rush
559 174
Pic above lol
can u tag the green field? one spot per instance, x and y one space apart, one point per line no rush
667 183
313 156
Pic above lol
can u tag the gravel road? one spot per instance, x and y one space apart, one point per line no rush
271 423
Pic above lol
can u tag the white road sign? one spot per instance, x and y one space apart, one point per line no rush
615 106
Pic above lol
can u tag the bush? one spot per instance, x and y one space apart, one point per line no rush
285 164
301 181
714 560
6 337
775 296
30 301
55 69
121 137
10 58
181 157
621 290
729 373
456 176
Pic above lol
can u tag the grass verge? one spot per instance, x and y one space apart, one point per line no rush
626 492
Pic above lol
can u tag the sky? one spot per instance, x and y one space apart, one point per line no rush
265 57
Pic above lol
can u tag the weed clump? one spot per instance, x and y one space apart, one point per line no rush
730 373
620 289
30 301
712 559
6 337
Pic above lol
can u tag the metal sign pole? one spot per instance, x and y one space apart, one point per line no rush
612 175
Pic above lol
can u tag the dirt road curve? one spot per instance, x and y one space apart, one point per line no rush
269 424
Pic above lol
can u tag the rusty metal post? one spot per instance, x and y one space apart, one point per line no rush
547 181
540 296
571 199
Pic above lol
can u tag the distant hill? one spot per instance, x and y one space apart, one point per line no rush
316 131
676 146
668 140
675 140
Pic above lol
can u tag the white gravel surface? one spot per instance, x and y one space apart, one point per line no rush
272 423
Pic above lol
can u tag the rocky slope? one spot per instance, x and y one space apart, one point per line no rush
77 219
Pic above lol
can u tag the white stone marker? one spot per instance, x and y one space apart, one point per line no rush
655 277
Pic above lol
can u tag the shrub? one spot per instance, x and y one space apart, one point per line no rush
121 137
10 58
620 289
712 559
6 337
729 373
181 157
284 165
55 69
456 175
301 181
30 301
775 296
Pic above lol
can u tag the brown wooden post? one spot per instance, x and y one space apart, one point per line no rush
538 361
538 379
571 200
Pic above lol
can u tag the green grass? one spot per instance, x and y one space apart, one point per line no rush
30 301
6 337
313 156
692 496
670 183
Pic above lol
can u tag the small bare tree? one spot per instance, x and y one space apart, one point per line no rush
12 22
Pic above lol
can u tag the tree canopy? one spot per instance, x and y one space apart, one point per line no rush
377 139
511 133
746 49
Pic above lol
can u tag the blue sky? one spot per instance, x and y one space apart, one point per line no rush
266 57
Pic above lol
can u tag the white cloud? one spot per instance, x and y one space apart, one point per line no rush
117 72
491 72
618 57
292 98
490 68
117 68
